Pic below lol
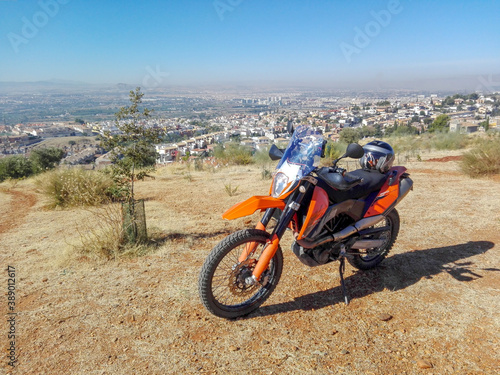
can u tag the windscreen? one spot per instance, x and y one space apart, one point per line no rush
303 152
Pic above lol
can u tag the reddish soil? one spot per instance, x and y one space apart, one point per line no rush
19 207
446 158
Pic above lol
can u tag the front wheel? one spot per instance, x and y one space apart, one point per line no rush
222 286
372 257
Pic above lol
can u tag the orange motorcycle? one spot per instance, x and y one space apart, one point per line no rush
333 215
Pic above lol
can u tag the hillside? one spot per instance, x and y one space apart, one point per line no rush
439 285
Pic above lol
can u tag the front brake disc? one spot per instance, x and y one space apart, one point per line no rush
237 285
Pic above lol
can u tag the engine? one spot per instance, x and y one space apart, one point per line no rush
319 255
324 253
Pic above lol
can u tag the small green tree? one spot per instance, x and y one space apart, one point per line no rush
350 135
45 158
132 149
367 131
133 157
15 167
441 123
485 124
403 130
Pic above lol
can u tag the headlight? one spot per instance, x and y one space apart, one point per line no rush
279 184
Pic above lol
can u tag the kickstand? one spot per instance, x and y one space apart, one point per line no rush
342 283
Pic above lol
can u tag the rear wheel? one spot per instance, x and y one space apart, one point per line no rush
222 285
369 258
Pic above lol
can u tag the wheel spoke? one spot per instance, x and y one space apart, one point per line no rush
223 289
386 231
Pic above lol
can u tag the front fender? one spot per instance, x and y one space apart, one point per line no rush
251 205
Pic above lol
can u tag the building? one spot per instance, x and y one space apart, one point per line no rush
463 127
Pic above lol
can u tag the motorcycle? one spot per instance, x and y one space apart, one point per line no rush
333 215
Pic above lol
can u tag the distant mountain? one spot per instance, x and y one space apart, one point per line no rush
464 83
36 86
485 83
58 85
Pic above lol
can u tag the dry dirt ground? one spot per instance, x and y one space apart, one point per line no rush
76 315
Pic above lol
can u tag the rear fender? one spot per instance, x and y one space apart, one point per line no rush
251 205
389 194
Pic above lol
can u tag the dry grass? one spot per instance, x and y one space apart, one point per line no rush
440 284
103 240
75 187
483 160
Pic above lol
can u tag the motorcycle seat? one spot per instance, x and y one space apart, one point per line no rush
362 182
337 181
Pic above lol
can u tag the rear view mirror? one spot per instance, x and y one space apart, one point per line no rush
275 153
354 151
289 127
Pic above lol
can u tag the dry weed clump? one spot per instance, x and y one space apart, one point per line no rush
230 190
483 160
75 187
102 235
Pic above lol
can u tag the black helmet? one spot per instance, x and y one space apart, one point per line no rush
378 155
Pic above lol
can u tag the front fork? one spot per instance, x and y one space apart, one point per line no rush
273 243
261 225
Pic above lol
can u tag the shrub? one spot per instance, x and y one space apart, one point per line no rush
402 144
234 153
266 174
198 164
412 145
15 167
334 150
483 160
3 170
441 123
40 160
45 158
76 187
449 141
350 135
262 156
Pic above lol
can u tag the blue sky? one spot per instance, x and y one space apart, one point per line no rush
246 41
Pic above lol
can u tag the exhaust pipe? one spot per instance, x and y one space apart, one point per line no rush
344 233
405 186
367 244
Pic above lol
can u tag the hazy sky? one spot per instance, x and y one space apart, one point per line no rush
223 41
